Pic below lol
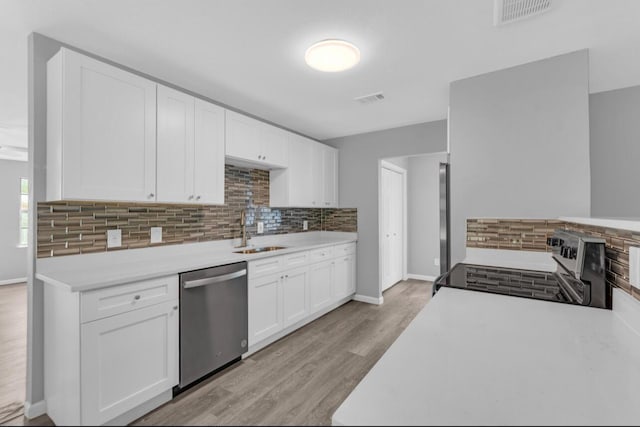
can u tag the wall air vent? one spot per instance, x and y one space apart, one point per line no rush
370 99
506 11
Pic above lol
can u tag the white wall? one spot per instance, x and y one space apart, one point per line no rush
13 260
359 167
519 141
423 206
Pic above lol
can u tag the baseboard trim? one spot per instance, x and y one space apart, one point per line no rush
13 281
368 300
141 410
34 410
421 277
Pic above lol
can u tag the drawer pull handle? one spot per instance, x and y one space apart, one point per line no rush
137 297
286 275
175 307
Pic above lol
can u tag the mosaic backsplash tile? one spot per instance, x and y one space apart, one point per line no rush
531 235
68 228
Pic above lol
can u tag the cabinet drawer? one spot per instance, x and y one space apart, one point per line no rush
346 249
107 302
321 254
296 259
265 266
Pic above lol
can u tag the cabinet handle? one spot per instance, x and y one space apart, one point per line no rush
313 203
150 195
281 277
198 198
259 156
286 275
326 203
137 297
175 307
264 157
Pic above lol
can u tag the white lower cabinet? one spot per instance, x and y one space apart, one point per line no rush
320 284
265 307
288 291
127 360
295 298
110 351
344 283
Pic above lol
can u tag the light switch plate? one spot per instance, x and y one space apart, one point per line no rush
114 238
634 266
260 227
305 225
436 261
156 234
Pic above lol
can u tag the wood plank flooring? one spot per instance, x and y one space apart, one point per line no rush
300 379
13 349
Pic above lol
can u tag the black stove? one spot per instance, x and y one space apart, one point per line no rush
579 279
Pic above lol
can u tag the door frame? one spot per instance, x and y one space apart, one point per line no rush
383 164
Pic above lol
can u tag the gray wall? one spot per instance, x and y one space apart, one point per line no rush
423 206
615 150
402 162
13 260
359 160
519 141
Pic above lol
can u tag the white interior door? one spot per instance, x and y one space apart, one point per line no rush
392 218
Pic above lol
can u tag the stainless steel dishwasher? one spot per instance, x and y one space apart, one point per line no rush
213 320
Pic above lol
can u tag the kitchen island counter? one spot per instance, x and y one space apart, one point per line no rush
473 358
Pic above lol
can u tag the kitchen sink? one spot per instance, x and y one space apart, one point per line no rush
259 250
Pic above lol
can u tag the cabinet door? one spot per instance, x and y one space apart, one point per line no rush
126 360
329 177
343 277
295 301
175 146
265 308
300 175
317 175
108 131
209 153
242 137
273 145
320 285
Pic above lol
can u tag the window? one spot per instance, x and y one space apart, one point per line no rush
24 211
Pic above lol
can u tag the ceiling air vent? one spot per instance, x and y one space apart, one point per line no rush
370 99
506 11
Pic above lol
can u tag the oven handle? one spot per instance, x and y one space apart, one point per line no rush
212 280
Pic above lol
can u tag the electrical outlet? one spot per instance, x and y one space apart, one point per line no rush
436 261
260 227
156 234
114 238
305 225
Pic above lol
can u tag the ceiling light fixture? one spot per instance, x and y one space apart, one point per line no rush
332 55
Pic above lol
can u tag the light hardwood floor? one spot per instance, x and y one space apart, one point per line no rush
13 349
300 379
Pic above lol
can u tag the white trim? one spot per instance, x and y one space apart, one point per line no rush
34 410
421 277
383 164
13 281
368 300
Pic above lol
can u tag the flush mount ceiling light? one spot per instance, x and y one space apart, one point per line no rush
332 55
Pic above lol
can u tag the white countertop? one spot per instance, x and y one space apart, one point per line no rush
478 358
93 271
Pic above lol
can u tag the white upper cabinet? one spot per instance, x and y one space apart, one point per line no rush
175 146
101 131
311 178
209 153
252 142
190 149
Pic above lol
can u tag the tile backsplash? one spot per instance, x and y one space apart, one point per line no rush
531 235
75 227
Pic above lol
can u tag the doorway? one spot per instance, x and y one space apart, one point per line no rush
392 210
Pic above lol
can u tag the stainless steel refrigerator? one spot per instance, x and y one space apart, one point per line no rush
445 251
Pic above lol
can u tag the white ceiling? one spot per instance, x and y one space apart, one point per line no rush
249 54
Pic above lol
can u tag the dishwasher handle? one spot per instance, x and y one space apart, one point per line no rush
212 280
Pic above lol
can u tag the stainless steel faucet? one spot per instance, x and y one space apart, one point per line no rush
243 224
